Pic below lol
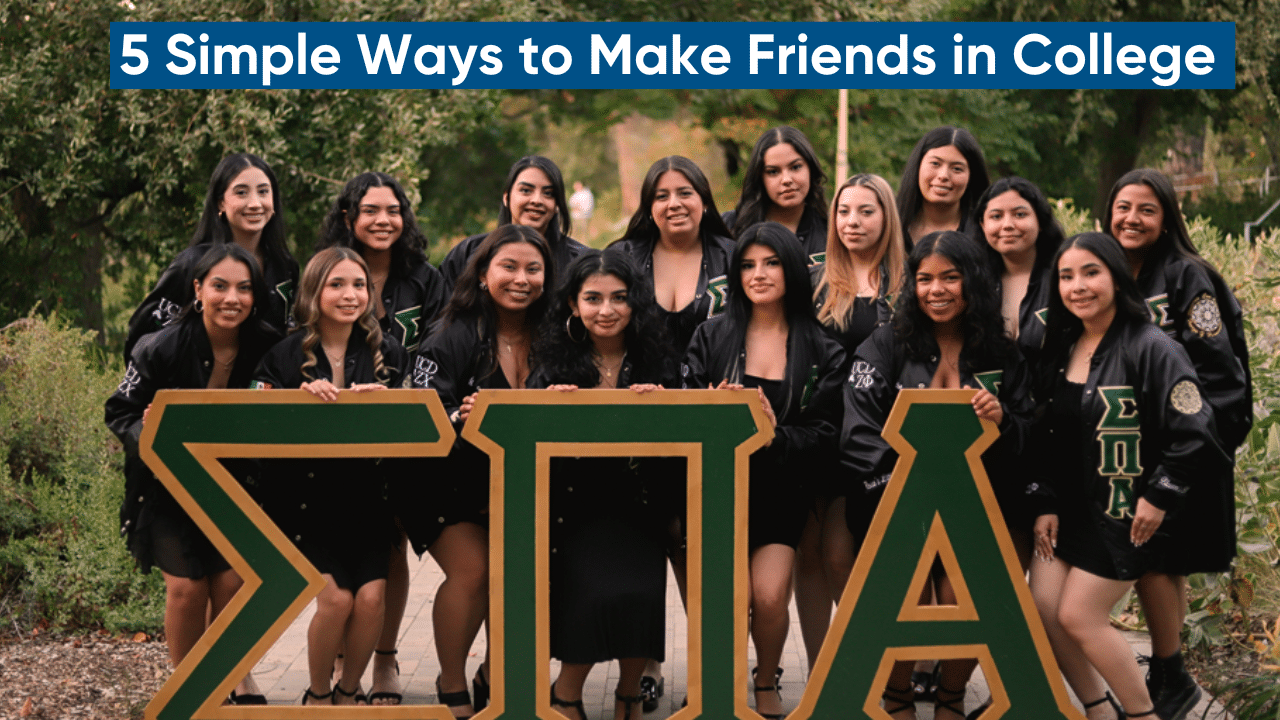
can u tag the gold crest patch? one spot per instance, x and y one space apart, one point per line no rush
1185 398
1203 317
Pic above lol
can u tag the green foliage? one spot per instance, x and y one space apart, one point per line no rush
61 555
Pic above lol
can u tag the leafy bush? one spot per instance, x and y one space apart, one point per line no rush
61 556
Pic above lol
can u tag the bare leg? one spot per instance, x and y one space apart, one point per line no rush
899 696
629 673
568 689
222 587
813 595
953 675
363 630
1164 602
771 567
838 548
185 606
1085 612
386 674
462 602
1047 582
324 635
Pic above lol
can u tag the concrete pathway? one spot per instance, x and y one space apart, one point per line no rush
283 671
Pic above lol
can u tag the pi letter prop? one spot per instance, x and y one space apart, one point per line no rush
938 505
186 433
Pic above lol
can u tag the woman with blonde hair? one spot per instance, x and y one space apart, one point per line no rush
334 509
853 294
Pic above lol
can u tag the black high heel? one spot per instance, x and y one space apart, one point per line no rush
307 694
651 690
628 702
1107 698
775 687
575 704
479 690
904 697
950 706
359 698
454 699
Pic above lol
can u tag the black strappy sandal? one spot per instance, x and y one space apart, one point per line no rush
1107 698
359 698
629 702
395 697
308 695
652 689
454 699
955 705
904 698
575 704
479 690
775 688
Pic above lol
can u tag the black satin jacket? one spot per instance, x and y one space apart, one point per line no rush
174 290
713 285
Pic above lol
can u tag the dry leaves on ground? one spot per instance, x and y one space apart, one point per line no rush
89 676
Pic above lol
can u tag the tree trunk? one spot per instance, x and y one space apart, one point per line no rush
1118 150
88 294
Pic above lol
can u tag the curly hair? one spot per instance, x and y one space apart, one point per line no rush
838 282
911 200
565 359
307 309
642 228
754 203
985 341
1050 237
213 229
337 229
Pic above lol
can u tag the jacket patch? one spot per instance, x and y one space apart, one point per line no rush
409 320
165 312
1159 308
259 385
861 375
817 258
718 288
1203 317
1185 398
990 381
1120 506
1043 315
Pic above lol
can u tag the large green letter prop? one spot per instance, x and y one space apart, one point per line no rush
715 430
939 503
185 434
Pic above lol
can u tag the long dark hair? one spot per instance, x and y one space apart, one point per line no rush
307 310
471 304
642 227
252 325
911 201
1062 327
563 353
985 342
213 228
562 224
753 205
406 251
1175 239
1050 237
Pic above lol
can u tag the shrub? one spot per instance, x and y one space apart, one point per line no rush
62 559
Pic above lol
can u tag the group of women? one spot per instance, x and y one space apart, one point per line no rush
1115 358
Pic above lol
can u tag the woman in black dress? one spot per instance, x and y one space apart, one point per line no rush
677 238
608 568
243 206
481 341
853 294
334 509
216 342
946 333
1189 300
784 184
1125 433
1016 222
770 340
372 216
533 197
944 177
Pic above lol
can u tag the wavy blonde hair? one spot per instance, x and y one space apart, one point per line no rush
307 309
839 282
